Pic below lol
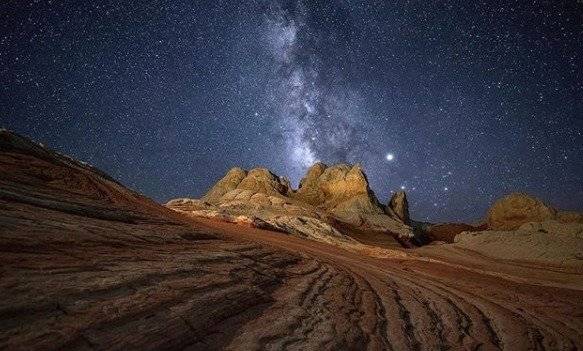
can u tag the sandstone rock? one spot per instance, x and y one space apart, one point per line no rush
570 217
310 228
229 182
89 279
343 182
398 207
185 204
342 189
550 242
261 180
513 210
326 194
309 189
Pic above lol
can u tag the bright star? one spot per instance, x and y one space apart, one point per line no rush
390 157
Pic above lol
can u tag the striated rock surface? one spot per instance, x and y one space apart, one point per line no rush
229 182
261 180
340 188
548 242
309 188
86 264
238 181
516 209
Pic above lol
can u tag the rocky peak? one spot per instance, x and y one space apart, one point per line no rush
398 207
312 175
329 186
229 182
309 188
342 182
334 194
257 180
262 180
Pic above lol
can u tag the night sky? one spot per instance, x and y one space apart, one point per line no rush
457 102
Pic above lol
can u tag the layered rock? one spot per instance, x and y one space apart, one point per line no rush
516 209
89 264
327 194
237 181
228 183
342 187
309 188
549 241
398 207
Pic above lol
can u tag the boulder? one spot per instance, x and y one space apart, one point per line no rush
516 209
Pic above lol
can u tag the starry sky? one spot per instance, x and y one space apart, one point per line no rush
456 102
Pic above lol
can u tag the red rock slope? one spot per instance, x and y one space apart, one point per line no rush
88 264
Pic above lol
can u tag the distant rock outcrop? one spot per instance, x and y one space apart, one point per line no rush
327 194
542 241
446 232
398 207
516 209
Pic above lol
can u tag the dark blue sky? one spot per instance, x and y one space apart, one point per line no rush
473 100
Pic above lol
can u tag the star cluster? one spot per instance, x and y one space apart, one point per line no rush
455 102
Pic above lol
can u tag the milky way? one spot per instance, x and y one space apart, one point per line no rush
473 99
318 115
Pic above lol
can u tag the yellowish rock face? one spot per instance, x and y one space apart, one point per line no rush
514 210
338 193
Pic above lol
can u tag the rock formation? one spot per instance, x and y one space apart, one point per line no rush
327 195
546 242
336 185
228 183
309 189
398 207
513 210
86 264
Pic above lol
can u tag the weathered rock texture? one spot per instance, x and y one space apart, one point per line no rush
548 242
326 196
398 207
86 264
516 209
